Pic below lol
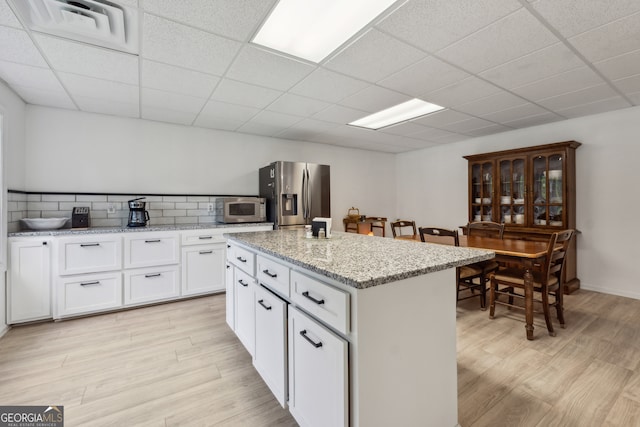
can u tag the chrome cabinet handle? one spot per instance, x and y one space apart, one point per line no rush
242 283
205 252
266 307
268 273
97 282
205 237
306 294
85 245
153 241
313 343
152 275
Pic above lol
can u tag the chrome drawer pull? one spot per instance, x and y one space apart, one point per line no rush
268 273
242 283
97 282
241 259
85 245
205 252
306 294
152 275
153 241
261 302
313 343
205 237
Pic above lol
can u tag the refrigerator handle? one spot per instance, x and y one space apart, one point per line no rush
304 196
308 194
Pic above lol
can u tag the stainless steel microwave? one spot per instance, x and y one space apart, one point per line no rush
241 209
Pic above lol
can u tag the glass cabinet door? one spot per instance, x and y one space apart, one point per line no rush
482 191
548 190
512 190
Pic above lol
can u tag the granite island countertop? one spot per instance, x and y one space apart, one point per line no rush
357 260
105 230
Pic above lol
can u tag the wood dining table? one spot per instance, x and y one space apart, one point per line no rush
528 254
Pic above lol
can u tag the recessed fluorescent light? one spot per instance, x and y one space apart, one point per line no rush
312 29
399 113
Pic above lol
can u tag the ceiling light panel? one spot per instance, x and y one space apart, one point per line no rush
408 110
315 28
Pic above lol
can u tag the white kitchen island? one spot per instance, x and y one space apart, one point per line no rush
363 329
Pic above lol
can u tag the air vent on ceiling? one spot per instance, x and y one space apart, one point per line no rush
98 22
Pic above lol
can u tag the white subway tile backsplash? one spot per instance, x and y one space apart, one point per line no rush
91 198
162 221
16 216
197 212
151 198
162 205
114 222
119 198
186 220
16 197
174 198
98 214
68 206
34 197
12 206
187 205
58 197
197 198
206 219
174 212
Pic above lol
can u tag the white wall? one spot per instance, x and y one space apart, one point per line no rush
608 200
81 152
12 110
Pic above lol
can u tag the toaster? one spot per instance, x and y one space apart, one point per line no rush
80 217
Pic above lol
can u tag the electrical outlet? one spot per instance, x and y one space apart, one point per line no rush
210 207
111 208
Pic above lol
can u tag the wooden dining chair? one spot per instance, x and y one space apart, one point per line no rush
486 229
399 228
468 276
547 280
377 223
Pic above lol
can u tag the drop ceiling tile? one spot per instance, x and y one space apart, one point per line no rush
263 68
306 130
328 86
214 122
628 84
374 56
225 111
432 134
497 102
171 101
404 129
416 143
47 98
277 119
618 37
297 105
89 87
452 137
509 38
264 129
112 108
245 94
569 81
424 76
635 98
516 113
539 119
374 98
230 18
156 75
7 17
600 106
579 97
29 76
461 92
617 67
442 118
79 58
16 46
489 130
339 114
167 115
468 125
177 44
433 25
571 17
535 66
130 3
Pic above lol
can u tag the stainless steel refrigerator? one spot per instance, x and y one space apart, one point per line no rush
296 192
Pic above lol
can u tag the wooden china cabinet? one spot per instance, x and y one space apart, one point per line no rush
531 190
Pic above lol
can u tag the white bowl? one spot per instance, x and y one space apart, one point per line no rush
44 223
519 218
486 200
518 201
555 223
486 217
476 218
555 174
476 200
505 200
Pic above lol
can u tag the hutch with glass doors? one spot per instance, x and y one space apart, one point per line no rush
532 191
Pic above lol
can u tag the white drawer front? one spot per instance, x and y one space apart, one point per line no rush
202 237
244 259
88 293
273 274
151 284
89 255
329 304
149 249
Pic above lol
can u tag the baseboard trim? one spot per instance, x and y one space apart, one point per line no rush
618 292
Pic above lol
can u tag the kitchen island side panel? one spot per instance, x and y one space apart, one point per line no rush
403 353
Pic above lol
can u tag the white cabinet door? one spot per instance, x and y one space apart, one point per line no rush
88 293
230 296
29 284
318 373
89 254
150 249
245 309
203 269
151 284
270 355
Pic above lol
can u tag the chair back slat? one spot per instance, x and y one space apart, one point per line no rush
440 233
397 227
485 229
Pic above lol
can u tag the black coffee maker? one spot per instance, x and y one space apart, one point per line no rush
138 217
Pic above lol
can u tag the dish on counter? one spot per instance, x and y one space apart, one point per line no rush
44 223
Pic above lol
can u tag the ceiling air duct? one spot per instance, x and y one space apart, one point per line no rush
97 22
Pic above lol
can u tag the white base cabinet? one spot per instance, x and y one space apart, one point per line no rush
230 298
144 285
88 293
203 268
29 284
270 355
245 309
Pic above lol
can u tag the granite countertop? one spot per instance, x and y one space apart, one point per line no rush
105 230
357 260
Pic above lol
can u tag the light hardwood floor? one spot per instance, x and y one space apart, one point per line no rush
179 364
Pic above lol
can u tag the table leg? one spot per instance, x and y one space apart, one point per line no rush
528 302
